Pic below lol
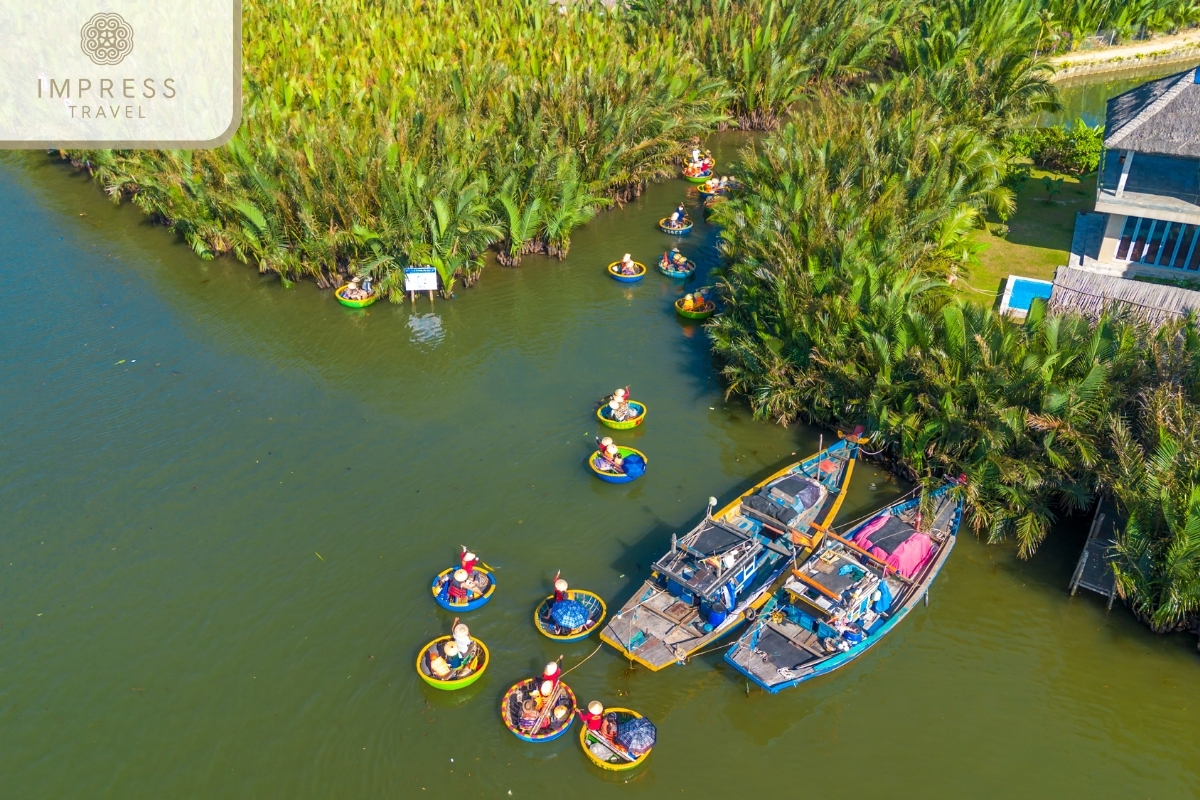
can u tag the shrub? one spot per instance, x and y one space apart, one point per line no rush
1074 149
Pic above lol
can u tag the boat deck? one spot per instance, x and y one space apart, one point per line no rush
660 628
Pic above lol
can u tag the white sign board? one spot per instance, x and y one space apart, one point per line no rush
420 279
121 73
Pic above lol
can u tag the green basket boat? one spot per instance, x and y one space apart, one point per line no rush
703 177
355 303
449 684
709 309
621 425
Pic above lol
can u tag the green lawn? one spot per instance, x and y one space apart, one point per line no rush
1039 235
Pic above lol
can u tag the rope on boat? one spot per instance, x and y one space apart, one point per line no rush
580 664
720 647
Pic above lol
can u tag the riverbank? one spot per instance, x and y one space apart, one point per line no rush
1160 50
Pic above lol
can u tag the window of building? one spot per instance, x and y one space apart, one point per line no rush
1159 244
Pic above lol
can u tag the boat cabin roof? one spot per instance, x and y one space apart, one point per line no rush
704 558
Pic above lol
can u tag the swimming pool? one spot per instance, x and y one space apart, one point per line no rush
1019 294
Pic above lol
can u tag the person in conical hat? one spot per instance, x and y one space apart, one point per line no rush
689 303
560 589
550 675
593 717
546 689
454 655
462 637
457 589
469 560
560 713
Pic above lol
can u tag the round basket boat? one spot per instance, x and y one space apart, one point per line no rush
678 273
614 477
589 600
354 303
594 745
480 662
700 177
614 272
603 413
664 225
473 600
703 313
510 712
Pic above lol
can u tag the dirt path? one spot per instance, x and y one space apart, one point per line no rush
1162 49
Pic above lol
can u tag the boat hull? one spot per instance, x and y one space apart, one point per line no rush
651 655
622 425
470 605
680 231
615 273
709 309
609 477
459 683
702 177
679 273
837 662
594 603
616 764
354 303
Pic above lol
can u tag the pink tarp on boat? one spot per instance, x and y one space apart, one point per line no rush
907 558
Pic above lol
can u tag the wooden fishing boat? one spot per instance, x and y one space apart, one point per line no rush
723 570
355 303
591 601
460 678
604 414
605 753
545 728
688 270
687 225
615 477
486 583
851 592
614 271
704 313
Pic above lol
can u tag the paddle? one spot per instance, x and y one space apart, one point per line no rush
537 726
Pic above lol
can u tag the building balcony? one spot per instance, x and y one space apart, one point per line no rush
1161 187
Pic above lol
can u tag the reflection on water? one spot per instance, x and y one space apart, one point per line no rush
426 328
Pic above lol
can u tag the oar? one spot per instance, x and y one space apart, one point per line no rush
554 697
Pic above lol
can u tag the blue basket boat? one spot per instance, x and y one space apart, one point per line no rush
474 600
686 227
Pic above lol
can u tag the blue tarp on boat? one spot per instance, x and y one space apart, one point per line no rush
569 614
636 735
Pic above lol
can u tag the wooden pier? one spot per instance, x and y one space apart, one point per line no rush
1094 570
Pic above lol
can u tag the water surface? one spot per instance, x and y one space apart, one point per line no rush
224 500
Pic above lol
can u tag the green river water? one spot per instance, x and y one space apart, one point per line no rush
223 502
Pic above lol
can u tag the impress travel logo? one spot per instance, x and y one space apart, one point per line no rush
106 39
139 74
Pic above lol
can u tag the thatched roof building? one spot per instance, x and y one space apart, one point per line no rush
1157 117
1092 293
